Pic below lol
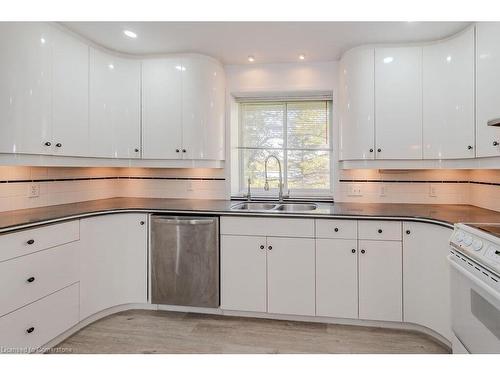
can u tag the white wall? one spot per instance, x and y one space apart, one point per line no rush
279 78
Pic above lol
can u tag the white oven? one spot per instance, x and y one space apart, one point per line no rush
475 304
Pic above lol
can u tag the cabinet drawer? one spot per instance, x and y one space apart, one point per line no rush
33 240
31 277
345 229
32 326
265 226
379 230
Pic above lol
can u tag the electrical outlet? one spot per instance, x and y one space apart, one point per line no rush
383 190
34 191
355 191
432 191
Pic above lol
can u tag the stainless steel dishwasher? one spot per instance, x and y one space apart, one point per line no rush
185 260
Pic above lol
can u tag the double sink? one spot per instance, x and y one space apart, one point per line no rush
270 206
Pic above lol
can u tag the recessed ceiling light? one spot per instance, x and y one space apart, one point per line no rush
111 66
251 58
302 56
42 40
130 34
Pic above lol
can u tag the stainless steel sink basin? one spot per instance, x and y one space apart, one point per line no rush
255 206
296 207
284 207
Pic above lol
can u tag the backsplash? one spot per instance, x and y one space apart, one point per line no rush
68 185
477 187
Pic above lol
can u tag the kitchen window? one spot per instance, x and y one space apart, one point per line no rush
298 133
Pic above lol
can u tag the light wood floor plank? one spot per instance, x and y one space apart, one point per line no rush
138 331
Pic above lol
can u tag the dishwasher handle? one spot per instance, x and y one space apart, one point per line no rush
166 220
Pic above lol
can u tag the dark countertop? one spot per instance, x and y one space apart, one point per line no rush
443 214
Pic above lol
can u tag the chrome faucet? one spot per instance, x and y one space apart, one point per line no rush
266 185
249 194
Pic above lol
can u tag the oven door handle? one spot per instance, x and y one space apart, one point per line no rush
481 284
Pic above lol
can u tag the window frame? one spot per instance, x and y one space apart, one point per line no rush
294 193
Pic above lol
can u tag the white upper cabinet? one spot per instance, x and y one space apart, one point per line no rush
70 95
115 97
356 105
203 90
162 108
25 89
183 108
398 103
448 84
487 88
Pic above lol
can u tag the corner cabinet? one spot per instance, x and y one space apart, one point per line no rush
357 105
115 99
487 88
183 108
448 81
113 262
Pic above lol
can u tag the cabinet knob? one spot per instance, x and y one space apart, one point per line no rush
408 231
177 150
183 150
136 150
48 144
336 229
30 242
31 279
269 248
371 150
142 222
469 147
363 251
495 143
262 247
380 231
353 251
379 150
30 329
58 144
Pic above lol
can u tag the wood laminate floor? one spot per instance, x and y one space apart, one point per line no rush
138 331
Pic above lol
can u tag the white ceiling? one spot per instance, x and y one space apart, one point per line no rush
269 42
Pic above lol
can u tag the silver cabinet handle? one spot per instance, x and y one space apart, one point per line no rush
185 221
494 122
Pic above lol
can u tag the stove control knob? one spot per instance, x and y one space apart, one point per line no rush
459 236
467 240
477 245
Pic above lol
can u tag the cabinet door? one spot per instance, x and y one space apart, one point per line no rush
25 89
115 90
113 267
487 88
448 84
356 105
202 108
162 108
290 276
380 280
398 104
70 81
337 278
243 273
426 276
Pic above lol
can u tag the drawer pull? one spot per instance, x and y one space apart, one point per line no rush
262 247
380 230
31 279
353 251
408 231
363 251
269 248
30 330
336 229
30 242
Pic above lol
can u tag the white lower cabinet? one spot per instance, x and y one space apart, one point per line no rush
337 278
243 273
427 277
290 276
113 262
380 280
27 329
